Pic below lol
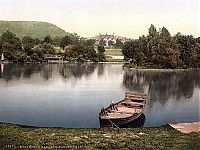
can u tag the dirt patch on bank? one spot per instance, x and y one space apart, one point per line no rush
187 127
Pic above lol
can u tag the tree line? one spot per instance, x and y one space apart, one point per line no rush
161 50
70 47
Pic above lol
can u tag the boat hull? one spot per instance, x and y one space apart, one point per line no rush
117 122
123 112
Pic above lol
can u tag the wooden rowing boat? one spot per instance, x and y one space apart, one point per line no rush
124 111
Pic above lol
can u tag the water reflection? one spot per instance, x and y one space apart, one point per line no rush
173 95
100 69
20 70
162 85
46 71
2 68
76 70
71 95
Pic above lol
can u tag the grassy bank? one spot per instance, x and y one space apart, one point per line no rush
113 52
136 138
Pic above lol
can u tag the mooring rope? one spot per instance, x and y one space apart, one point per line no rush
113 123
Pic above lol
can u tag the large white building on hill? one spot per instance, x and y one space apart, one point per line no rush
108 40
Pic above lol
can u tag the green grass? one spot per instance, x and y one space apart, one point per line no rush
135 138
113 52
31 28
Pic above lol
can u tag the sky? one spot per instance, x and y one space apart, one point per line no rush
130 18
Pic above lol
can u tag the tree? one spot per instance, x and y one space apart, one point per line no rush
152 31
75 38
129 50
91 53
87 42
186 44
47 40
195 57
158 50
80 52
28 43
143 45
101 49
65 41
101 55
164 50
164 32
90 42
38 53
57 40
48 48
0 45
118 44
10 45
133 51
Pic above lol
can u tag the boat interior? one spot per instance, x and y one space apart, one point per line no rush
132 104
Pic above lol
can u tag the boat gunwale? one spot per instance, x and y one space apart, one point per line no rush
143 102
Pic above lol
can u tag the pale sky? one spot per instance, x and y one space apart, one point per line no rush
130 18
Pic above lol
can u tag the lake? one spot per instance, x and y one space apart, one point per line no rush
71 95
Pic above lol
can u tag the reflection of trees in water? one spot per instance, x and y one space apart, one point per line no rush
133 81
23 71
46 71
100 69
10 71
76 70
163 85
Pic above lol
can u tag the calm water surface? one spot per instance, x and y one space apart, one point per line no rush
71 95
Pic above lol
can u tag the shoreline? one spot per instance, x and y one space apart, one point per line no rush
164 137
184 127
163 70
107 62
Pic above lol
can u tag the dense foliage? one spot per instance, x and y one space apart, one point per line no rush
79 49
11 45
161 50
101 56
74 48
156 50
80 53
